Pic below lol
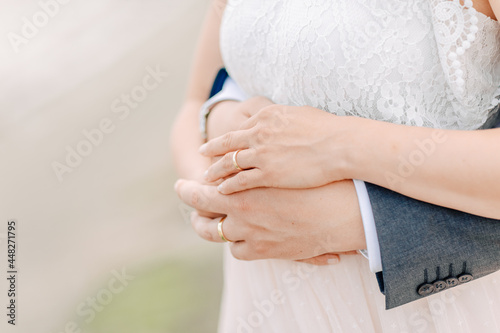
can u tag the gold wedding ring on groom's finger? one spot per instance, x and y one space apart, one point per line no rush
235 163
221 233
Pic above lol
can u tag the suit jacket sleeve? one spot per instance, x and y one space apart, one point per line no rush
426 248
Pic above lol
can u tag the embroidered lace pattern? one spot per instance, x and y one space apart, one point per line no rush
433 63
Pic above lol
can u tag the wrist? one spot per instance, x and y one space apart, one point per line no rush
230 92
216 123
349 147
348 224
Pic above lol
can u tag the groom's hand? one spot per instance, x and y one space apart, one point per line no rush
269 223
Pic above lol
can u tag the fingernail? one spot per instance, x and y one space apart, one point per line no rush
203 149
205 175
333 261
220 188
177 184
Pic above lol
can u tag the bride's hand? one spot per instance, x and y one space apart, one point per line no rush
282 146
227 116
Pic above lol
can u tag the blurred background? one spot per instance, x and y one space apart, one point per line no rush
88 93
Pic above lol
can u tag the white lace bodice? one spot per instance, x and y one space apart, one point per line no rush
433 63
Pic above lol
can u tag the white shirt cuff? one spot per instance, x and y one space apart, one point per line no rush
232 91
372 244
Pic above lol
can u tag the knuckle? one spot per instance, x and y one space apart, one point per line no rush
215 160
240 255
242 179
270 177
227 162
211 173
227 140
265 113
263 135
194 200
207 235
264 155
201 229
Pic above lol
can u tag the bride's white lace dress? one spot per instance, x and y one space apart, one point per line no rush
433 63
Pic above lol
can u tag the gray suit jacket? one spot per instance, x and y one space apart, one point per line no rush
426 248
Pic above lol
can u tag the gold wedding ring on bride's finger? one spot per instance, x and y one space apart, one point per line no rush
235 163
221 233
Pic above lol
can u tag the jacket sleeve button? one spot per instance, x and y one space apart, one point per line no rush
425 289
439 285
452 282
465 278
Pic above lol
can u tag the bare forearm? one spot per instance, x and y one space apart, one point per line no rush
185 137
455 169
185 141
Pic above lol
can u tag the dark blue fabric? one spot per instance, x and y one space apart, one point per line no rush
380 280
219 82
